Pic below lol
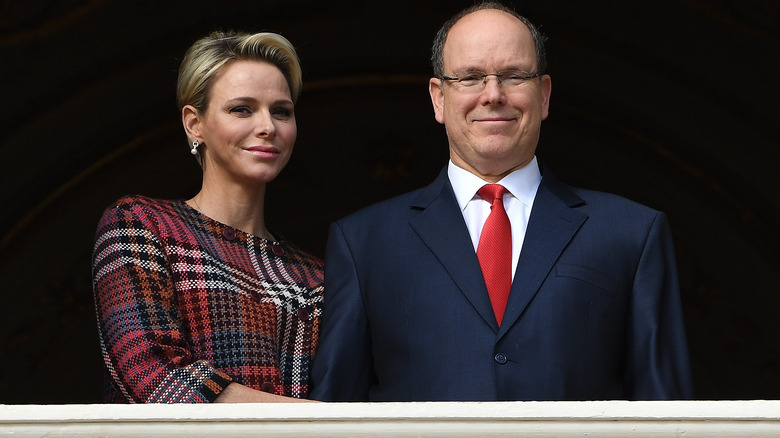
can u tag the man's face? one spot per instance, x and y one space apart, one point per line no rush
492 129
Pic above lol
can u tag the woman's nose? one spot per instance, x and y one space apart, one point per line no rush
265 125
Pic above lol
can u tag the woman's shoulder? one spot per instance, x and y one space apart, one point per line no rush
145 207
140 202
142 210
308 267
296 253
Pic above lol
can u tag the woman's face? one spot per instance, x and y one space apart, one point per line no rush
249 127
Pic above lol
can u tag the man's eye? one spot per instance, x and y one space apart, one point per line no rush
470 79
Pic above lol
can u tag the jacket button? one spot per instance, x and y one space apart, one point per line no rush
303 314
500 358
268 387
229 234
278 250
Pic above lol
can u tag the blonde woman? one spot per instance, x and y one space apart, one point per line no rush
197 301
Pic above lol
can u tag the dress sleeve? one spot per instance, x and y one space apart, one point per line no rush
657 363
144 350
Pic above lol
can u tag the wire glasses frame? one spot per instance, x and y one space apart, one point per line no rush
476 80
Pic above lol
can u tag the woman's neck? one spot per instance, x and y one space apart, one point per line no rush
234 205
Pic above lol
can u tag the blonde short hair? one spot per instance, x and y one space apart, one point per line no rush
206 57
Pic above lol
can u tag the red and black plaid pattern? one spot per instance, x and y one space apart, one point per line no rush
186 305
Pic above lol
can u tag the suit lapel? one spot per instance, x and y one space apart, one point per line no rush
552 225
441 227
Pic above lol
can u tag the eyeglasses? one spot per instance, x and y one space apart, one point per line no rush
476 80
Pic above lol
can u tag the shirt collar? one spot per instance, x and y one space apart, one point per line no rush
521 183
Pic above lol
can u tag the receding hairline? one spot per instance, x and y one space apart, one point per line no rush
437 49
490 11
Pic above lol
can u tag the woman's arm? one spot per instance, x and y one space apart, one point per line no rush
144 346
237 393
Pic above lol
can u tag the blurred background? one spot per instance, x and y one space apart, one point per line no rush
670 103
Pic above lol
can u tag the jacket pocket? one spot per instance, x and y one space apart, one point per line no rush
603 281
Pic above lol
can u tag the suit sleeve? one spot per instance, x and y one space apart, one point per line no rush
657 366
343 366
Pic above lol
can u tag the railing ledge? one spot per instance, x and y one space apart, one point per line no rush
749 418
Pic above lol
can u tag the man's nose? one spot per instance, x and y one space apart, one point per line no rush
493 91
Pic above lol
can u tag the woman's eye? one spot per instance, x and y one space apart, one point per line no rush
240 110
282 112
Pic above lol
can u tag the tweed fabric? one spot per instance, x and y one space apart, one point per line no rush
186 305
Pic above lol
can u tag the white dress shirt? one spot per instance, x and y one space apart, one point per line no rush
521 184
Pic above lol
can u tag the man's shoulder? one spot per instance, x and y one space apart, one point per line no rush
387 208
402 205
590 199
614 210
603 198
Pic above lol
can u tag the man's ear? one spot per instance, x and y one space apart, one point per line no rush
546 91
437 98
190 119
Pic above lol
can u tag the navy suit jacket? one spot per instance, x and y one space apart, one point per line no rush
594 311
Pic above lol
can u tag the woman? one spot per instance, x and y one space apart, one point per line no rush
197 300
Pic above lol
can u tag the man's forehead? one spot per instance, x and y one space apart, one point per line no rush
486 20
489 29
498 39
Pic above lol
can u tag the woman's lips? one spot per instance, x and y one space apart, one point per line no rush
263 151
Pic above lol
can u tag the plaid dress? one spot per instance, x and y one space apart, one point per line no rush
186 305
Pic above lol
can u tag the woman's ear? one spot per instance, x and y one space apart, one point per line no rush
190 119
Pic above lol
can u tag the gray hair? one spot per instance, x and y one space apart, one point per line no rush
437 52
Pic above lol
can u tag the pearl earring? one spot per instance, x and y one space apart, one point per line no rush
194 150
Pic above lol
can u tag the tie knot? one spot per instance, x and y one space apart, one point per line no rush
491 192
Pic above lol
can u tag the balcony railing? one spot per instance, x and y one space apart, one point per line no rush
439 419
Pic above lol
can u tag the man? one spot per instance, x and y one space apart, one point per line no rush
416 304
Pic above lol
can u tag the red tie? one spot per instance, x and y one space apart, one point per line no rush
495 249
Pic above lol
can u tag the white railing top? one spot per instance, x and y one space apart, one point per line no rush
756 418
